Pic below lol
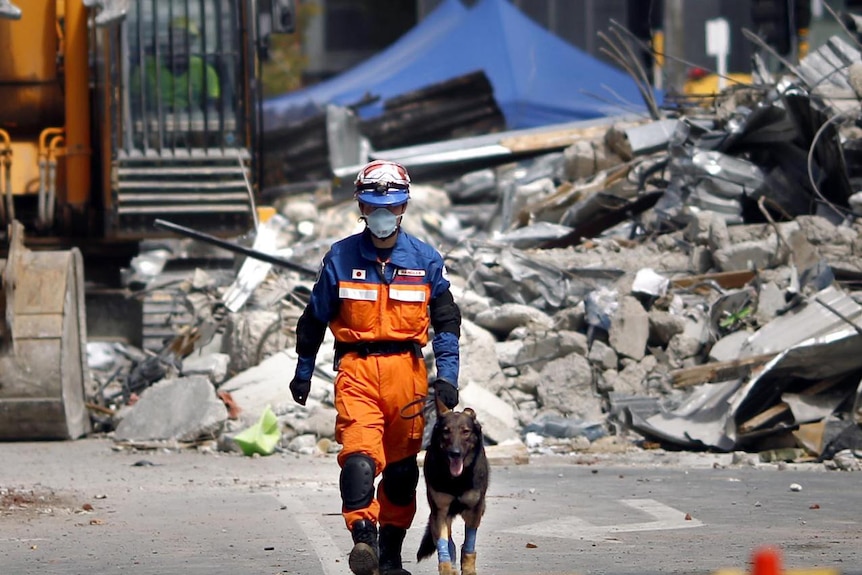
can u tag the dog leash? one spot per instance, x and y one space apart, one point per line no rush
414 403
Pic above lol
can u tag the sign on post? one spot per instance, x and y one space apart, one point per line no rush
718 45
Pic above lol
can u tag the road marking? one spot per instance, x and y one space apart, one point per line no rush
330 556
22 540
572 527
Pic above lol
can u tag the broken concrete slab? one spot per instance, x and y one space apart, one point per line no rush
213 366
478 359
629 328
496 416
503 319
566 385
184 409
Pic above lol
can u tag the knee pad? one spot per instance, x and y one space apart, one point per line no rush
357 481
400 479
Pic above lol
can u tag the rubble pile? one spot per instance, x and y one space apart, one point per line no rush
688 282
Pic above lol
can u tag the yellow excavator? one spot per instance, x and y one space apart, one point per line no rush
113 114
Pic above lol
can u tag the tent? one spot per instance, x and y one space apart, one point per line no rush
538 78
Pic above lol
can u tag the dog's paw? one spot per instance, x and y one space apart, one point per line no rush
446 569
468 564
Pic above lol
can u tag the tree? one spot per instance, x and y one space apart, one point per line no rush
284 66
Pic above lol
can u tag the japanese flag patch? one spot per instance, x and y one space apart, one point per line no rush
357 274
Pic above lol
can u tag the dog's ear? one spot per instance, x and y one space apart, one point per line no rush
469 411
441 407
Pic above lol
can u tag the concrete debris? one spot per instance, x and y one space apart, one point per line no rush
690 282
183 410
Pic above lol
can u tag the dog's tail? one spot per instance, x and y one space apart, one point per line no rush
427 546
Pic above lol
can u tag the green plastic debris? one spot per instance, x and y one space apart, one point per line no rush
262 437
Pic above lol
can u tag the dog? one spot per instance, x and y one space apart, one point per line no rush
456 480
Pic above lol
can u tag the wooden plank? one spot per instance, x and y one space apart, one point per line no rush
467 85
552 140
727 280
719 371
773 412
433 121
460 107
764 417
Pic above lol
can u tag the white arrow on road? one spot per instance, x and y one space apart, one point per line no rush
574 527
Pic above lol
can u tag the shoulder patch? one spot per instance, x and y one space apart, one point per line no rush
357 274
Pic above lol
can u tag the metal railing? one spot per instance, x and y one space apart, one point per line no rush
181 67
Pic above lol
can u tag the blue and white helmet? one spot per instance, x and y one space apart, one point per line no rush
382 184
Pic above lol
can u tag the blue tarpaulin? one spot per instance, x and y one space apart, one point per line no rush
538 78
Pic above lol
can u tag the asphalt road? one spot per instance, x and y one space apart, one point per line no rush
85 508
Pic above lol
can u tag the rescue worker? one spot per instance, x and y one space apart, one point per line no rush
379 291
183 81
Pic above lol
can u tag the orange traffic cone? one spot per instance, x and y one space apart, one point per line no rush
766 561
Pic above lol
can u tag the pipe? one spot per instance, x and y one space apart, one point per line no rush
43 138
43 168
5 181
43 191
236 248
77 108
3 219
53 152
10 197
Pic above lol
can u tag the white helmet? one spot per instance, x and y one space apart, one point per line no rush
382 184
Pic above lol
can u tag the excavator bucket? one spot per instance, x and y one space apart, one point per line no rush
43 370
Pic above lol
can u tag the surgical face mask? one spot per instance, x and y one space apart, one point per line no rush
382 223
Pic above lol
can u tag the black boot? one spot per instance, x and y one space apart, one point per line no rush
391 539
363 556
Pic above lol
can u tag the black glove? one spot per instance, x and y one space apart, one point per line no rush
300 388
446 392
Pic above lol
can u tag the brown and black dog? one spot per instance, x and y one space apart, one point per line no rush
456 479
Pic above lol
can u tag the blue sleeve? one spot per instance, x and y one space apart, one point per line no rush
445 343
439 276
324 294
305 368
322 306
447 356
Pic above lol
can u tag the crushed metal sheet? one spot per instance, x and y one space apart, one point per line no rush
810 320
700 421
828 64
651 137
816 358
812 408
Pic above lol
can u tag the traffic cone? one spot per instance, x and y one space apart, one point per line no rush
766 561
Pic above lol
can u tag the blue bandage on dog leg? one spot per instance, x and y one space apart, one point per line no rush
452 553
443 551
469 540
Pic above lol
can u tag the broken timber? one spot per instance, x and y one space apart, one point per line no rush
727 280
719 371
